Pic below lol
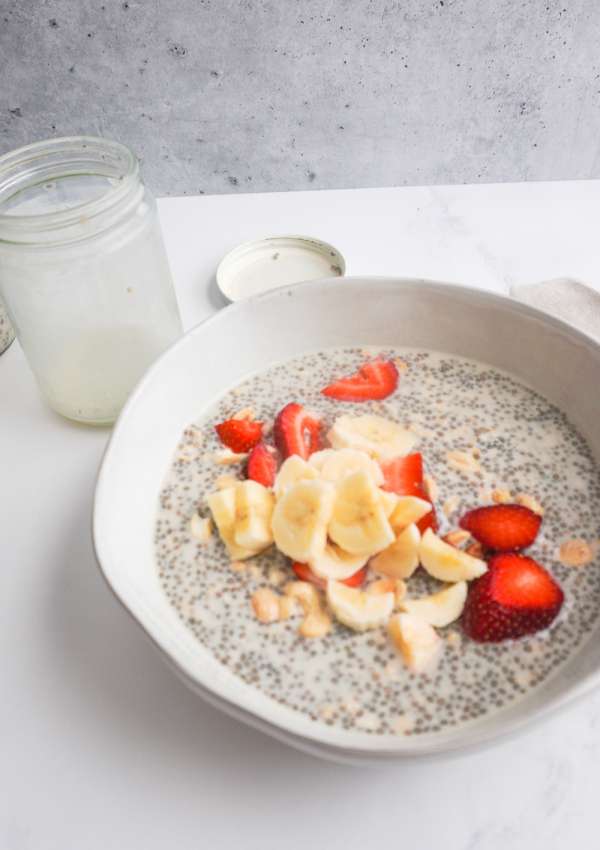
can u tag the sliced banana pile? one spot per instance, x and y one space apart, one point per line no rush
331 513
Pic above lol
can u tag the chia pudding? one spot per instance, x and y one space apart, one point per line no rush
521 444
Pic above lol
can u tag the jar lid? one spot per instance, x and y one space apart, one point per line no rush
255 267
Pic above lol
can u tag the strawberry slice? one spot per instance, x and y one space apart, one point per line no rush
296 431
503 528
374 381
404 476
239 435
262 465
304 573
515 597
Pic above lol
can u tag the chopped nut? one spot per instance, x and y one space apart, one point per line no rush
417 642
403 724
476 550
201 528
575 553
327 712
529 502
475 451
226 457
454 640
457 537
316 624
462 462
265 604
245 413
523 678
305 593
401 365
400 590
431 487
237 566
351 706
501 497
451 505
288 607
276 576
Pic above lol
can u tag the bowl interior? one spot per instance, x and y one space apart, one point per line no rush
556 360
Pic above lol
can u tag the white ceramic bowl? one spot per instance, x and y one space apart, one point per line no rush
558 361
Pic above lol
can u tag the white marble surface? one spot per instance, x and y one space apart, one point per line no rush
102 746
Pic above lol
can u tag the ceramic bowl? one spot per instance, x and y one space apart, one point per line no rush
558 361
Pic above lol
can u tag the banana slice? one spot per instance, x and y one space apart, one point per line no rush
408 509
389 502
253 511
292 470
447 563
439 609
417 641
317 459
381 438
343 462
401 559
300 519
359 610
336 564
359 524
222 507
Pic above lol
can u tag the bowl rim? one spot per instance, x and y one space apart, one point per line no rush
362 747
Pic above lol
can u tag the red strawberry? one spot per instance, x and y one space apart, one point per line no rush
374 380
404 476
262 465
515 597
239 435
296 431
503 528
304 573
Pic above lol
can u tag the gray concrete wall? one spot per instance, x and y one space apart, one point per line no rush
255 95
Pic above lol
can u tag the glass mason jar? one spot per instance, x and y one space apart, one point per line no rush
83 272
7 333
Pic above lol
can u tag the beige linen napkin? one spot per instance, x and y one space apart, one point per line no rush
566 299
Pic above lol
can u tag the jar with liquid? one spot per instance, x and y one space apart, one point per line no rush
83 272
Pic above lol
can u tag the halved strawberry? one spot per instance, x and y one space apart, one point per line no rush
262 465
239 435
304 573
404 476
374 380
296 431
516 597
503 528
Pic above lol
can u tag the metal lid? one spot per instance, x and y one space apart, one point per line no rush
255 267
